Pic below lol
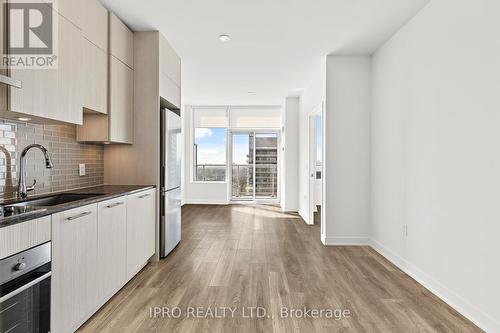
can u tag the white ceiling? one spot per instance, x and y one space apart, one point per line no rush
275 44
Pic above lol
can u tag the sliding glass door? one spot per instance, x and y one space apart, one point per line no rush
254 165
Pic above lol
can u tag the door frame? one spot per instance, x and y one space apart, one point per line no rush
229 171
317 111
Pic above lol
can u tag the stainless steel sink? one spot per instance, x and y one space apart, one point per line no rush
54 200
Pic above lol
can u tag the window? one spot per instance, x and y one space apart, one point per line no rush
209 154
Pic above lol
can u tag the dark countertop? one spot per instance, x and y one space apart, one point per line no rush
102 193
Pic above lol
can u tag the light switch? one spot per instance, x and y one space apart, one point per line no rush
81 169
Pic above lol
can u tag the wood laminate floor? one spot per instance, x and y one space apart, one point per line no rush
255 256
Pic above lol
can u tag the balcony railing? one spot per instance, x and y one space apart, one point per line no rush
210 172
265 182
266 175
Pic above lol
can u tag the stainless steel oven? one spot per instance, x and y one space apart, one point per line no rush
25 291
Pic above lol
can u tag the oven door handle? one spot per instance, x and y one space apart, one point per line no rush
24 287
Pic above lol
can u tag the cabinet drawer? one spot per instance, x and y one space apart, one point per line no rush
22 236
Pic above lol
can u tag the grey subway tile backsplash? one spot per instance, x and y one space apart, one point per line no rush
65 151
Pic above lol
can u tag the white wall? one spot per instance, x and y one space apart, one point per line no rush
347 148
436 154
290 157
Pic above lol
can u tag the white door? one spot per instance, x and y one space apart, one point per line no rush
315 161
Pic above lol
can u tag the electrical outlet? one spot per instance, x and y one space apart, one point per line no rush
405 230
81 170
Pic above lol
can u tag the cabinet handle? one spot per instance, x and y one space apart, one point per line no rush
144 196
71 218
115 205
10 81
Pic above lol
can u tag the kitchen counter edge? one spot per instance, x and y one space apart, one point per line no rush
103 193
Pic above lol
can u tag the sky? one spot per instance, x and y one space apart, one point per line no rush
211 143
319 139
240 148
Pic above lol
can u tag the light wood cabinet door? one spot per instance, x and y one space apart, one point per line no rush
121 41
170 62
169 90
53 94
121 102
72 10
141 215
19 237
74 268
3 87
111 247
95 24
94 78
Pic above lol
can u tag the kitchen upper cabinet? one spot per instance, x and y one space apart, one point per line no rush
121 102
121 41
72 10
170 62
95 78
170 91
74 267
53 94
95 57
95 24
111 247
140 230
118 125
170 73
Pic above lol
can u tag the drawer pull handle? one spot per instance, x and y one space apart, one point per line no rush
115 205
71 218
144 196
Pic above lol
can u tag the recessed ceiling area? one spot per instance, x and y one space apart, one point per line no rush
274 45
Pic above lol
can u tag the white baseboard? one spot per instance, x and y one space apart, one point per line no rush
305 217
323 240
205 202
345 241
468 310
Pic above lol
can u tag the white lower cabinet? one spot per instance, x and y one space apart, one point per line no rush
111 247
140 230
96 250
74 264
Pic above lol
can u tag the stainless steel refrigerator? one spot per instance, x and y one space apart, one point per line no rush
170 181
